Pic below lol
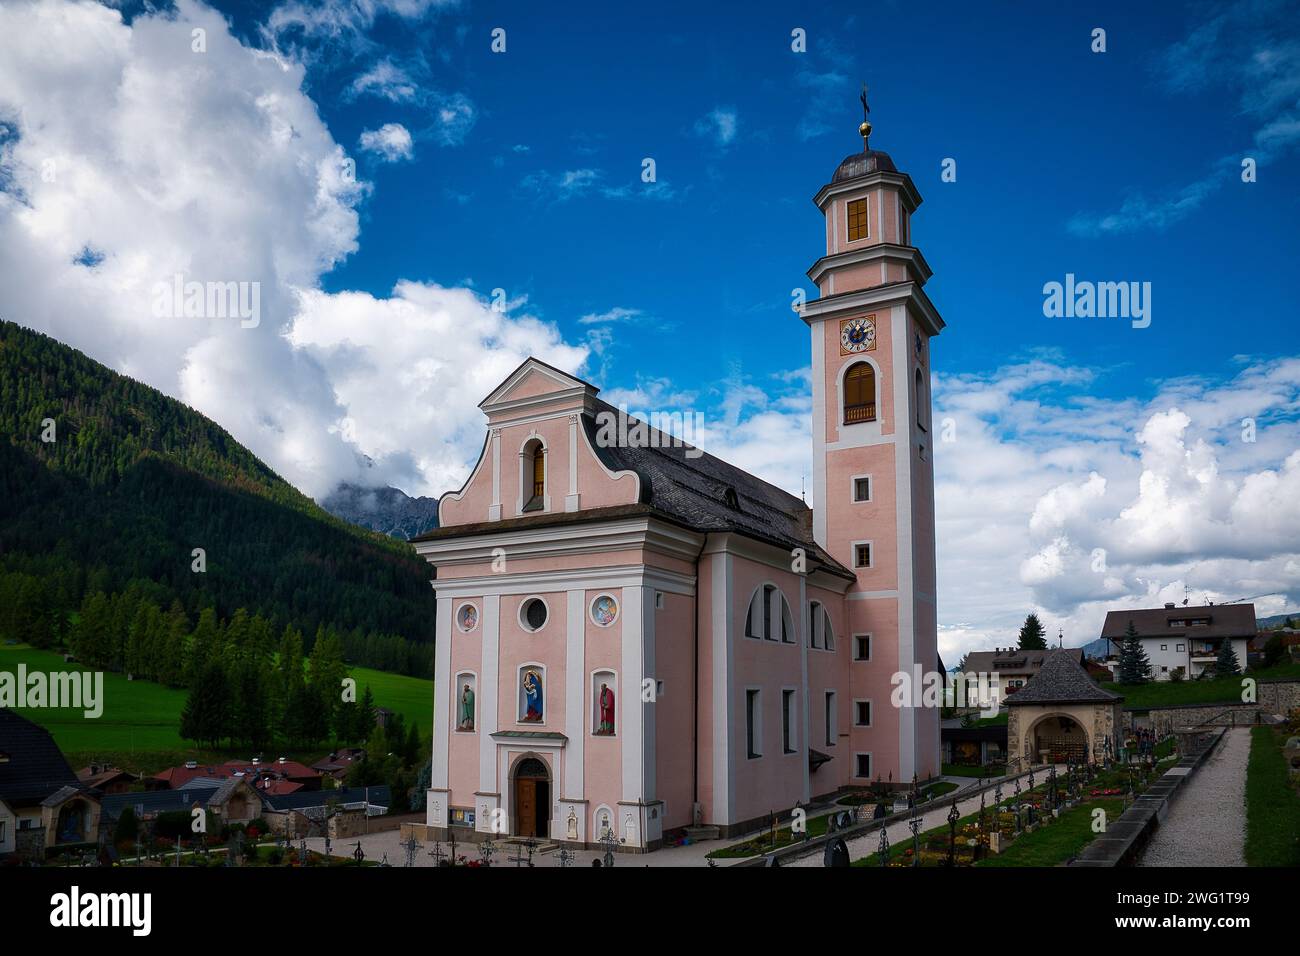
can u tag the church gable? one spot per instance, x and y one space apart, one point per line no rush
537 459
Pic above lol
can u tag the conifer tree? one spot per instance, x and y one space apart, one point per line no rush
1226 664
1032 635
1134 665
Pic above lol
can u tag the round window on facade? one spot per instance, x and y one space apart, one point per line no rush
604 610
533 614
467 617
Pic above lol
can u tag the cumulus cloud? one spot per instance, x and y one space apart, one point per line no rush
410 369
391 142
129 159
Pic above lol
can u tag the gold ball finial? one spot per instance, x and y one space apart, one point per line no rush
865 129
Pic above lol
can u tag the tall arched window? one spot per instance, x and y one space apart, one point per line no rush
534 476
769 616
860 394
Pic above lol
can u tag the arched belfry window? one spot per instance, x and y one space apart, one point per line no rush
534 476
860 394
920 400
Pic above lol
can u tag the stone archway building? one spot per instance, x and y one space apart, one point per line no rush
1062 713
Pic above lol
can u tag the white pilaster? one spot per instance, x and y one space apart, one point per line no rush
442 696
494 510
575 686
571 499
486 718
724 800
904 417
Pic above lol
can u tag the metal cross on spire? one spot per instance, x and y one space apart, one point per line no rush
865 129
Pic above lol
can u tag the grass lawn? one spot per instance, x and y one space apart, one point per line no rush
1058 841
1272 803
763 843
139 729
1225 691
1048 845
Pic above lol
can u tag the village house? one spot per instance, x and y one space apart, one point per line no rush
1181 640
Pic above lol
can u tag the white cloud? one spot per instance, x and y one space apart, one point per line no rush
392 142
386 80
616 314
161 156
720 125
409 371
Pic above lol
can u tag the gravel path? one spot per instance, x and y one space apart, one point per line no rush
1206 823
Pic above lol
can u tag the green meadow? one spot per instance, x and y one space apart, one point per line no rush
139 727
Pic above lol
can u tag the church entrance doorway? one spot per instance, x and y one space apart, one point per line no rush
532 803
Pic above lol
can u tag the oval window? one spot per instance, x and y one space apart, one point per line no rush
467 617
533 614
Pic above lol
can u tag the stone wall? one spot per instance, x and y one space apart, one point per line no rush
1274 697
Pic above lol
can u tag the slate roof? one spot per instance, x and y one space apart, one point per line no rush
378 796
693 486
1061 680
155 801
702 493
1225 620
862 164
62 794
35 767
1013 660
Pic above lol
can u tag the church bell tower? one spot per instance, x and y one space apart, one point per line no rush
873 445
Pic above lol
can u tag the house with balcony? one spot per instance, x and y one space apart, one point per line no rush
1180 638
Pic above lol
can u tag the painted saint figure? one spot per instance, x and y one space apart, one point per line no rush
466 709
533 705
606 701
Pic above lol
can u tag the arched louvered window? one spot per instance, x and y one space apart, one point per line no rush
860 394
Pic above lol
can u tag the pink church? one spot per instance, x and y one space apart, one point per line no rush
635 637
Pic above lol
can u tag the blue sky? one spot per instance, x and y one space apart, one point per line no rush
1043 131
1093 465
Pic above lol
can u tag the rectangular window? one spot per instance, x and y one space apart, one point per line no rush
812 623
1164 647
862 765
752 730
830 718
857 219
862 555
1180 647
787 721
861 489
862 647
862 713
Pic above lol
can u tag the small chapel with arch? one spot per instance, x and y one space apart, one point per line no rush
636 638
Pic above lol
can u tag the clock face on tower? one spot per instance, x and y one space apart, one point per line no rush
857 335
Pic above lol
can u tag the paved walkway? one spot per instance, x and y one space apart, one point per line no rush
377 845
1206 822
